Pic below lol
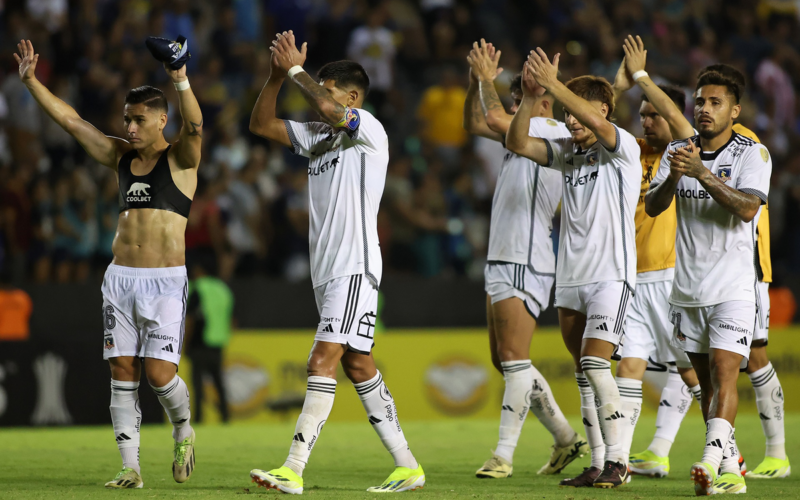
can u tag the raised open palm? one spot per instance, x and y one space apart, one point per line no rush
26 59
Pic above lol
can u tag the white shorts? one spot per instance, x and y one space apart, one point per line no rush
144 312
347 309
648 330
605 305
505 280
762 325
727 326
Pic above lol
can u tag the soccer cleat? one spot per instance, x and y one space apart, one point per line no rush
126 478
703 477
402 479
771 468
495 468
560 457
614 474
729 482
183 465
583 480
648 463
282 479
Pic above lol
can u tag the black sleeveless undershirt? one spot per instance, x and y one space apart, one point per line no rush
155 190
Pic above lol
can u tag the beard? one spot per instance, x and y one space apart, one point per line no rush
710 133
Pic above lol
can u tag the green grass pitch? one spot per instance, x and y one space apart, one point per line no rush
74 463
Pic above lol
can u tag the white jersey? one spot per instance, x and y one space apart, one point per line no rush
714 249
525 200
601 189
346 175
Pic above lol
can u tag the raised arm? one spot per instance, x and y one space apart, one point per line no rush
187 148
687 162
263 121
635 59
483 61
102 148
475 121
517 139
320 99
546 75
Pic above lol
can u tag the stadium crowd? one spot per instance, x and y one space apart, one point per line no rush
59 209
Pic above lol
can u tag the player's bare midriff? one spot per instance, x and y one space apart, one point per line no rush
150 238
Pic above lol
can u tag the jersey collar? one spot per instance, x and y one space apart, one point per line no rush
713 156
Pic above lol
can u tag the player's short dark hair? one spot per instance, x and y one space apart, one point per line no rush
714 78
728 71
674 92
516 84
151 97
346 74
593 88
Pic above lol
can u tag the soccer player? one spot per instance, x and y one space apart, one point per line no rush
648 331
769 393
521 265
348 153
720 179
144 290
596 271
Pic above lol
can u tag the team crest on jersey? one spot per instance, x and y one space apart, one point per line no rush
551 122
350 120
591 158
765 155
724 174
108 342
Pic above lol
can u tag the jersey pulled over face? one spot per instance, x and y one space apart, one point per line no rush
715 250
601 188
525 200
346 176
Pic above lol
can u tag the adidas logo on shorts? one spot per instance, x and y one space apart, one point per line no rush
168 348
328 328
602 327
742 341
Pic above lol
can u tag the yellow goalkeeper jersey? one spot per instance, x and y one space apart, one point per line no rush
655 236
764 261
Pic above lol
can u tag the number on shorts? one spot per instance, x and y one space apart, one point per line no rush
108 317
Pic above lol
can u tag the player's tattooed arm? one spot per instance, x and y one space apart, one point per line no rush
687 162
483 60
187 148
635 59
319 98
475 121
660 196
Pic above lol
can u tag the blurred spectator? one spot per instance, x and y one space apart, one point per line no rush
205 229
15 311
372 46
440 113
209 318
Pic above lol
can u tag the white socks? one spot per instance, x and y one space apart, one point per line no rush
544 406
591 425
518 376
630 398
718 433
126 418
382 413
769 400
676 399
730 456
598 373
320 393
174 397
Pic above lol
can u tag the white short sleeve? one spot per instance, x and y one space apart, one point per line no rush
756 171
556 149
627 147
663 169
304 135
368 134
550 131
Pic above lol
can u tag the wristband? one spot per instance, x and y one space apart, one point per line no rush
639 75
180 86
294 70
